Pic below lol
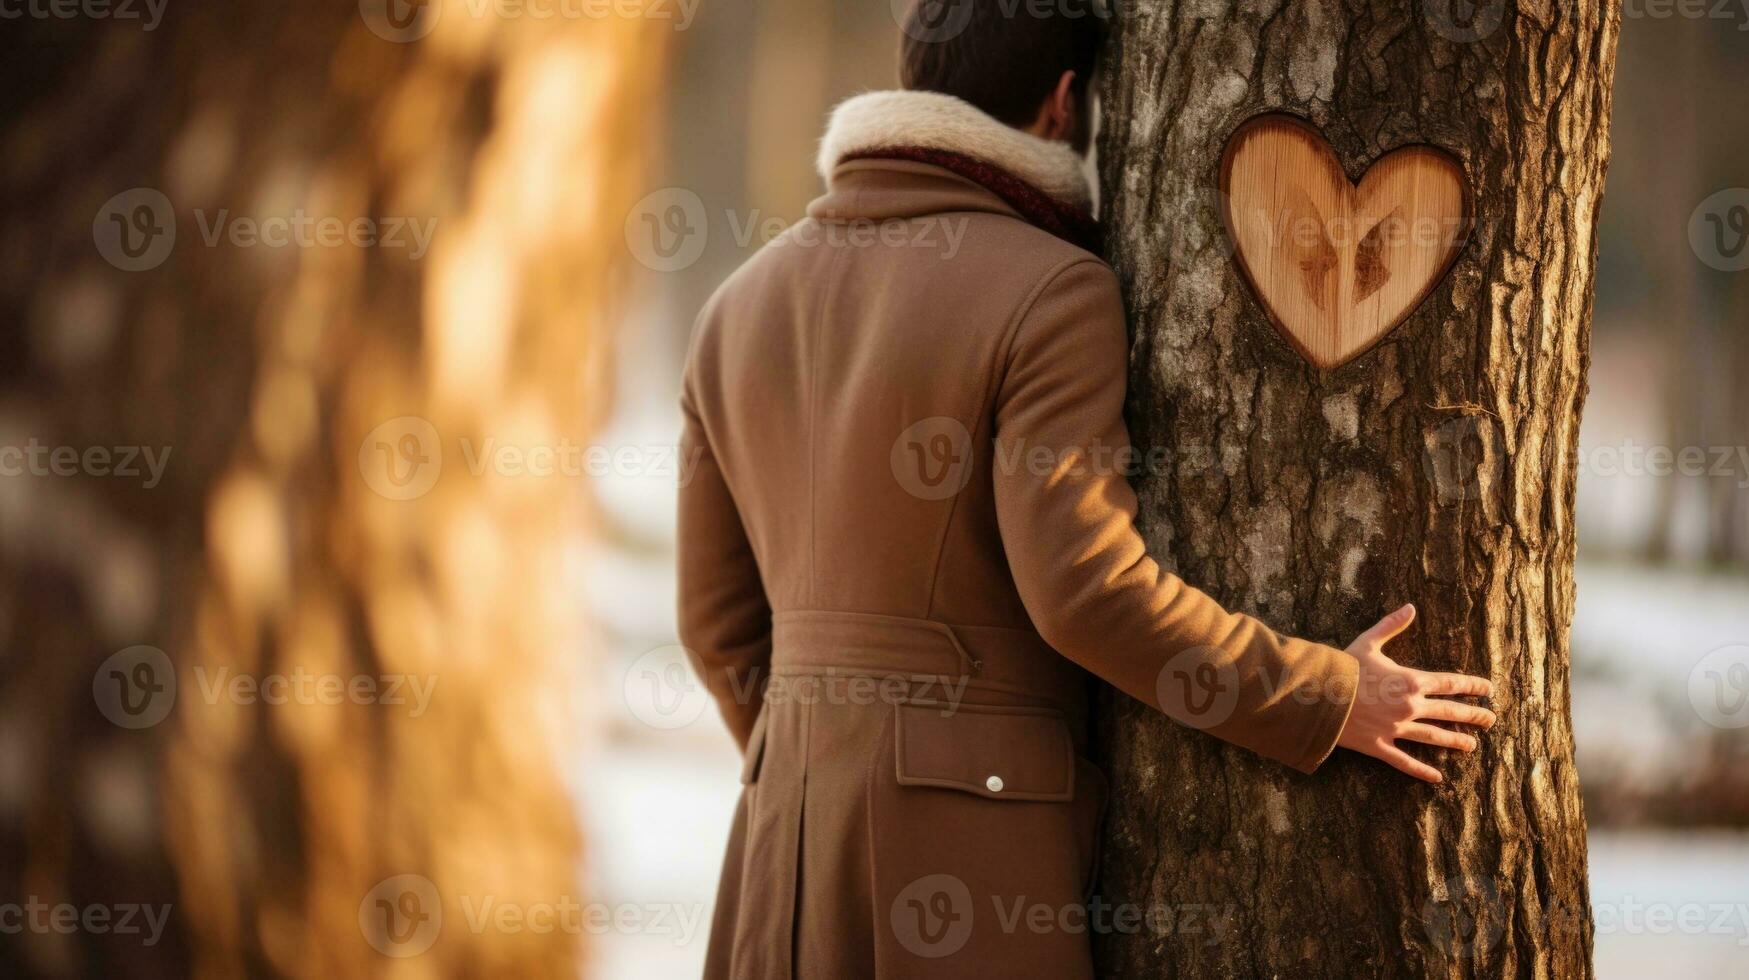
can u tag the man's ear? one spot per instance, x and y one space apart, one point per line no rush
1057 117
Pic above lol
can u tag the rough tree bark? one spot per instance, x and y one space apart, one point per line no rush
1438 468
277 543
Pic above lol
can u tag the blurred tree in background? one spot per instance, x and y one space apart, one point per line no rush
320 516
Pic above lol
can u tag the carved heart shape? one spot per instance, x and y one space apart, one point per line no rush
1338 265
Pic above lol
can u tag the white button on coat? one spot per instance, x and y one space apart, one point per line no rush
993 784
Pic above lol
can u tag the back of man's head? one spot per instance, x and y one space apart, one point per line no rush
1003 56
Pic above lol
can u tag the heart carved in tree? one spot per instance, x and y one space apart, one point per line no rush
1338 265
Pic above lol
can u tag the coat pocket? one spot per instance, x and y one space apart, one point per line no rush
1000 753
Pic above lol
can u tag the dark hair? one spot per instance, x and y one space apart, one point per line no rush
1003 56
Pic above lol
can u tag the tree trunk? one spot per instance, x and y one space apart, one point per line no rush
1437 468
317 518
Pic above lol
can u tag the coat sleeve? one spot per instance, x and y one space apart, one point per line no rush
725 619
1066 512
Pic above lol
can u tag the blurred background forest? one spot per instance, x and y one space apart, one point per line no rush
417 477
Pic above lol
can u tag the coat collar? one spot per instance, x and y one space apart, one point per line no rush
1043 180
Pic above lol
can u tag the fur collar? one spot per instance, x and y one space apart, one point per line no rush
930 121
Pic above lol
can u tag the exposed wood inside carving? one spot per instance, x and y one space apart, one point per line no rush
1337 265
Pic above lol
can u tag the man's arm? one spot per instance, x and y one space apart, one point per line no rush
725 620
1067 512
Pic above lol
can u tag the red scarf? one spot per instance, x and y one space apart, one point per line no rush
1069 223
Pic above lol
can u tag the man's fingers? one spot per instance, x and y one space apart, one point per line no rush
1438 683
1464 714
1445 738
1397 757
1391 625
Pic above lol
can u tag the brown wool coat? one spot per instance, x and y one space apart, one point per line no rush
908 534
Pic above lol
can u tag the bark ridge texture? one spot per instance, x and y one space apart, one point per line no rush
1438 467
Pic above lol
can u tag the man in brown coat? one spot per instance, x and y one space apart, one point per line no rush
909 534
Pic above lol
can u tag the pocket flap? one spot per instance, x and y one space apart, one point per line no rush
1002 753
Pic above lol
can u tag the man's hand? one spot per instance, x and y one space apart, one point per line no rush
1393 701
